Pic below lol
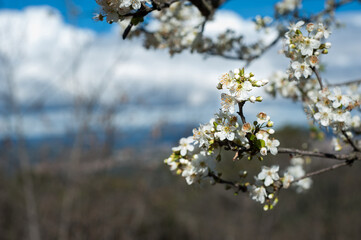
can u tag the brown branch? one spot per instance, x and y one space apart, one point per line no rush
265 49
236 186
323 170
318 76
144 11
349 140
341 157
207 7
240 113
250 58
345 83
329 10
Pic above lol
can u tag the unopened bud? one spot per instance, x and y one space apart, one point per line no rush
259 99
325 51
271 131
310 27
242 174
328 45
264 81
258 84
252 99
270 124
292 46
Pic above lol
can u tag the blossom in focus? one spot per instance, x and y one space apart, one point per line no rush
269 175
185 144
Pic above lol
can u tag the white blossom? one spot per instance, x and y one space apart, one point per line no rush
185 145
301 69
269 175
258 194
287 179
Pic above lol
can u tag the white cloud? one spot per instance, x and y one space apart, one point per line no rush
54 62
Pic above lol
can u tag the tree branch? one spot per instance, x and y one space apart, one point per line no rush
240 113
318 76
341 157
236 186
345 83
144 11
323 170
349 140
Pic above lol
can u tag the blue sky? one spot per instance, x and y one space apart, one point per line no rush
84 9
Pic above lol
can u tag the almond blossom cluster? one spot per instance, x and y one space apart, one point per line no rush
268 182
327 107
197 157
115 10
332 108
286 6
177 27
304 49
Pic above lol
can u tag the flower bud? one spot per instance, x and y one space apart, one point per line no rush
270 124
327 45
258 84
325 51
271 131
252 99
243 174
259 99
310 27
264 81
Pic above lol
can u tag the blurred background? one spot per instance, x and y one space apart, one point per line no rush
86 120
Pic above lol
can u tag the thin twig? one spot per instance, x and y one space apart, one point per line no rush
240 113
237 186
345 83
341 157
323 170
349 140
144 11
318 76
